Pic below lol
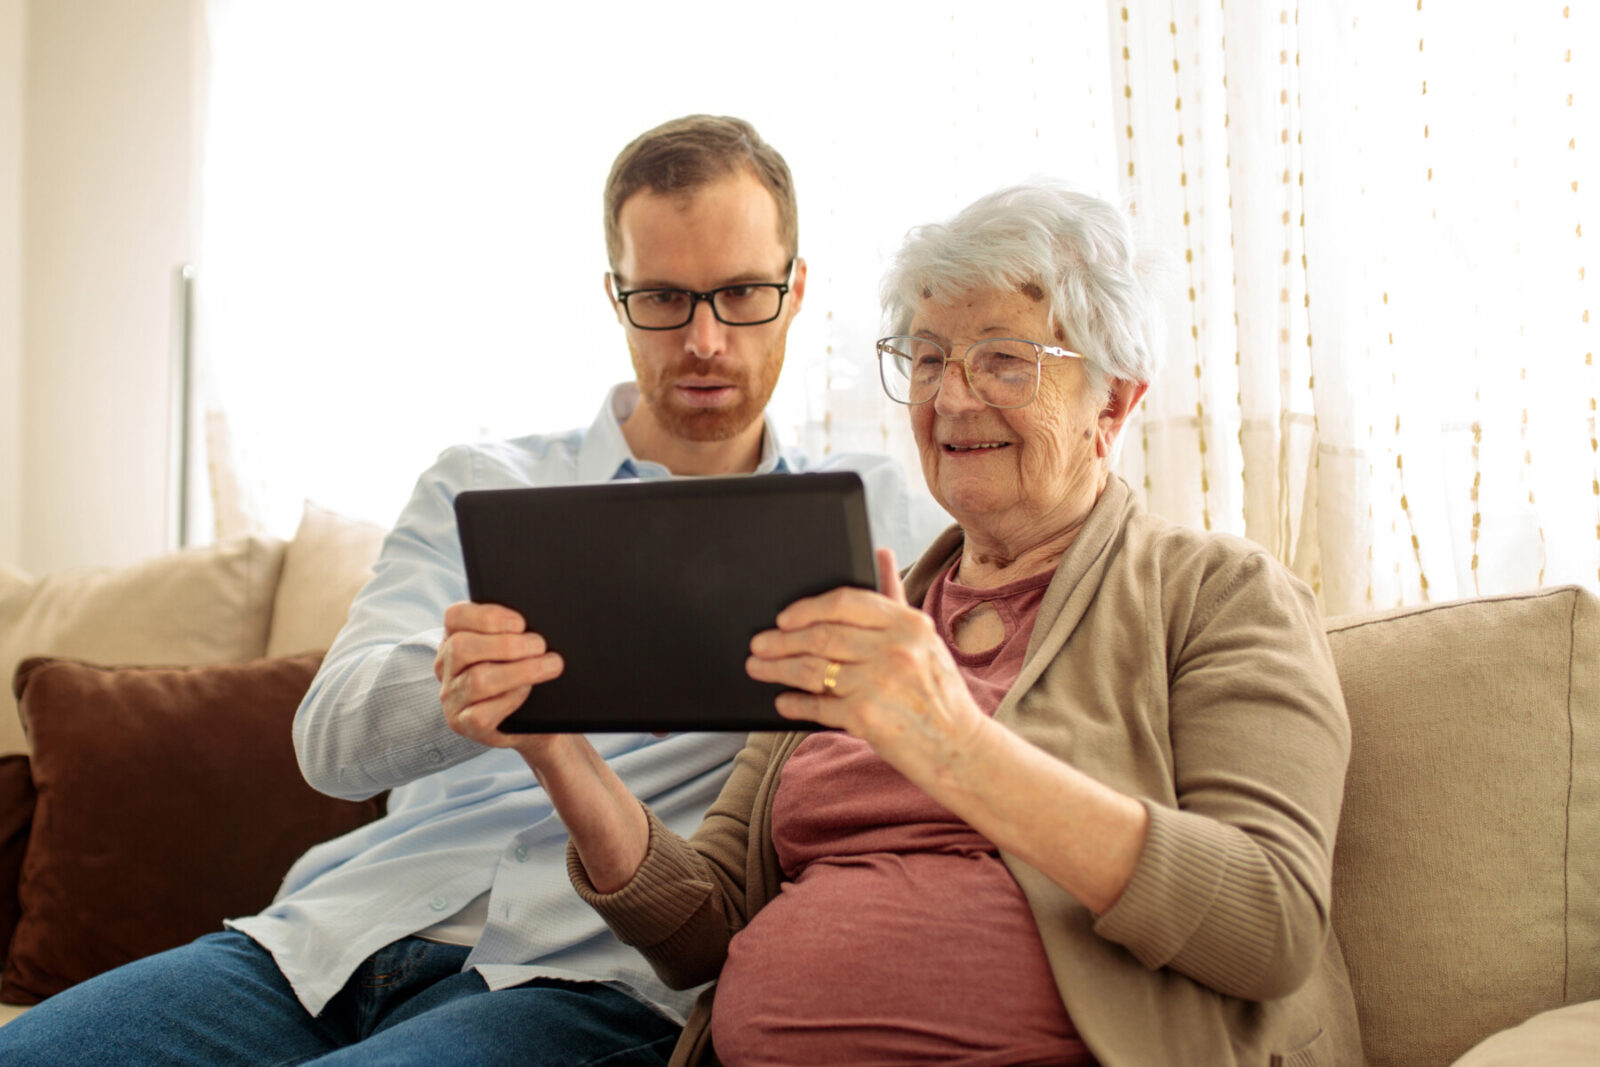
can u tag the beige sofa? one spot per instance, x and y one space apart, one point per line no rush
144 805
1467 871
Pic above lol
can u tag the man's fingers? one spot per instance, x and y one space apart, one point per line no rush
483 618
481 721
465 649
486 681
469 647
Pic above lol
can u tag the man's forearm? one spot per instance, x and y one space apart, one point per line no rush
372 721
606 822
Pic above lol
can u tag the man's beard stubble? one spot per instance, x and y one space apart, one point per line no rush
701 424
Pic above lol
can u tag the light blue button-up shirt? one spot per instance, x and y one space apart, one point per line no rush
464 821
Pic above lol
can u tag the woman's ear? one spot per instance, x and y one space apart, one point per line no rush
1123 398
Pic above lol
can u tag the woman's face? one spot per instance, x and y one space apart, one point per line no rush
1016 476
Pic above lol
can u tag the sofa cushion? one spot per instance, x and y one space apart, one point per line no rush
12 581
324 567
197 606
1467 867
168 799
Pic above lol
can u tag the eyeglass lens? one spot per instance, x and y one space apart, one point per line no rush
739 305
1003 373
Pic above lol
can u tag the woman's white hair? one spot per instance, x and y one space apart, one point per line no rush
1074 251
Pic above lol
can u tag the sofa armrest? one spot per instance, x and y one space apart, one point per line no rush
1465 861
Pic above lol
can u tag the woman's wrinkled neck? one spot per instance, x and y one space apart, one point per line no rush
993 556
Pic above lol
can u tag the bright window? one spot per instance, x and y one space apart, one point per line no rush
402 237
1380 358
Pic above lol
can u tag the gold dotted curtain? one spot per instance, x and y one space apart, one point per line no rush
1379 211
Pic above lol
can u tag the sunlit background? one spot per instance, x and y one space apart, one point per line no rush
1379 352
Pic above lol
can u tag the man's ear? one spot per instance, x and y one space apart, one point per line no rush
1124 397
616 305
797 286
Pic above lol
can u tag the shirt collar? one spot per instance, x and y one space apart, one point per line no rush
604 454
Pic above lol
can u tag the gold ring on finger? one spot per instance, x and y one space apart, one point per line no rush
830 676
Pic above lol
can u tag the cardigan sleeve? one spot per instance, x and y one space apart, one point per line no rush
689 896
1234 883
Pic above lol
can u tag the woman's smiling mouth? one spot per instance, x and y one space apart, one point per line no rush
975 446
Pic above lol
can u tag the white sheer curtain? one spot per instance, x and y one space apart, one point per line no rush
402 242
1382 366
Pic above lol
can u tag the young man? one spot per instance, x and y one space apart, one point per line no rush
446 932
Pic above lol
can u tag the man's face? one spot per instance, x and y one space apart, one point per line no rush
706 381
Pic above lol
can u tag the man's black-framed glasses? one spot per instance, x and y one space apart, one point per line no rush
744 304
1003 372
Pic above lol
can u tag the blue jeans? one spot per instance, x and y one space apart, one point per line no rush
222 1000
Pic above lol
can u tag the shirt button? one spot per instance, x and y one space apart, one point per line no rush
521 853
435 756
438 903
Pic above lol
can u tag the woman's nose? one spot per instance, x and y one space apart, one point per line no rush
955 396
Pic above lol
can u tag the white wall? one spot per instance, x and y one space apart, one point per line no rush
12 29
109 149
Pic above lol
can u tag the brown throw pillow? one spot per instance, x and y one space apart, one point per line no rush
16 818
168 799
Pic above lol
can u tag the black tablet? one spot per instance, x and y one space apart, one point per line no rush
651 590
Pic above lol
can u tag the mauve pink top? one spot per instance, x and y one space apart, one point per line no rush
898 936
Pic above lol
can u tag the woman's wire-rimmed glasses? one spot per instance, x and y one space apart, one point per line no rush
1003 372
744 304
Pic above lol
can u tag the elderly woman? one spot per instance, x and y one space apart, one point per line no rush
1082 799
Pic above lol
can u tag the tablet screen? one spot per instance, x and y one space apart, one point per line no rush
651 590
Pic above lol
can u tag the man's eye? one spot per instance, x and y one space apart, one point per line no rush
663 297
739 292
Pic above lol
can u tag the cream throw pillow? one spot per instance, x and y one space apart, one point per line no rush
204 605
324 567
1466 874
1562 1037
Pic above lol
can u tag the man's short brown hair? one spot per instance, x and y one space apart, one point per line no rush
686 154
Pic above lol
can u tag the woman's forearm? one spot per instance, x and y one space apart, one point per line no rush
876 667
606 822
1081 834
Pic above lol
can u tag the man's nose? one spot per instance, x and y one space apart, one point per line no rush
955 396
705 336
